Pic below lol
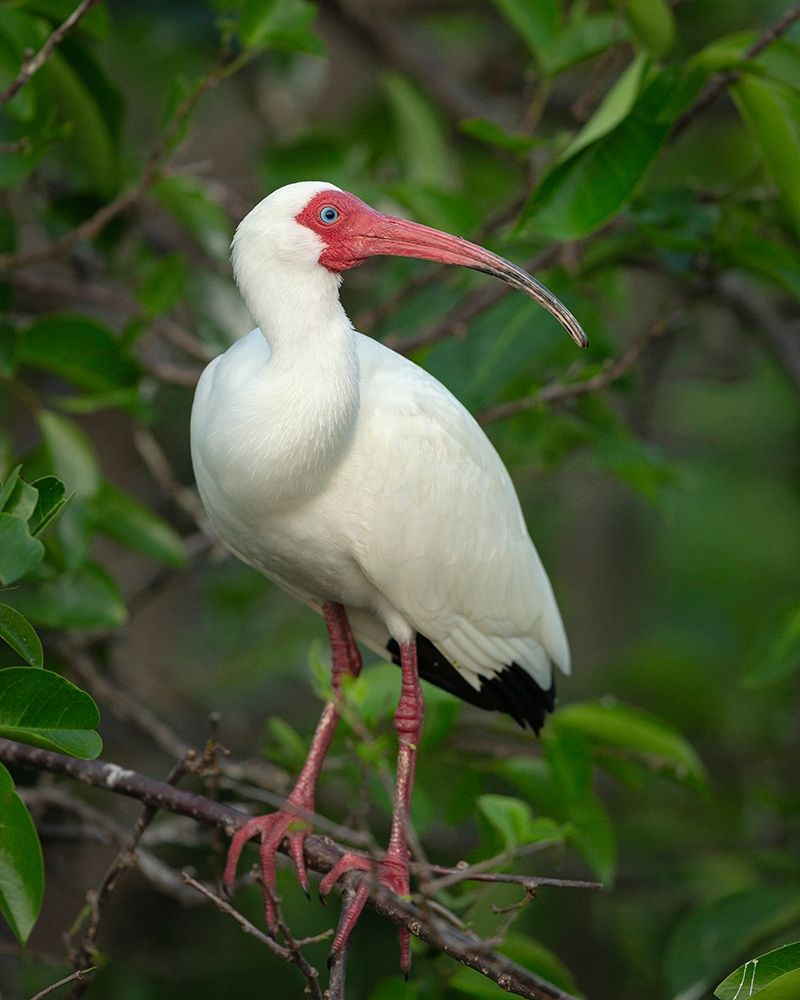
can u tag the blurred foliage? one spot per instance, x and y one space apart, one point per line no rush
664 502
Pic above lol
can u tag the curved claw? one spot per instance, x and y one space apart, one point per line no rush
348 862
272 830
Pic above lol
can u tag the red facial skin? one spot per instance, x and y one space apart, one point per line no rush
360 232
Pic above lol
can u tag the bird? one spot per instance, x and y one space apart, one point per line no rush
359 484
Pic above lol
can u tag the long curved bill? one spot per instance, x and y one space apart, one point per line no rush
400 238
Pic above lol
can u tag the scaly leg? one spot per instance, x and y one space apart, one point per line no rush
393 870
290 822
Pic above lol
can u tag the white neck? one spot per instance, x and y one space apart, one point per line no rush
311 384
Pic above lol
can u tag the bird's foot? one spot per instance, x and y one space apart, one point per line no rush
272 830
392 873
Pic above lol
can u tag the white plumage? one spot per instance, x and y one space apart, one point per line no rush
346 473
360 484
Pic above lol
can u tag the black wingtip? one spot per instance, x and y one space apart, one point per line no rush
512 691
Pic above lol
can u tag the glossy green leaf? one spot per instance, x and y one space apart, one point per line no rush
776 652
126 521
773 976
78 349
19 552
421 136
20 635
614 107
50 502
771 111
580 194
623 728
652 23
703 943
83 597
279 24
71 454
21 862
46 710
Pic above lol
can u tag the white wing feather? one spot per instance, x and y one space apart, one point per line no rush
462 569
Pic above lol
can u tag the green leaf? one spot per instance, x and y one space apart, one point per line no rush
703 943
71 454
773 976
18 497
131 523
494 135
537 23
771 111
510 817
19 552
194 206
768 259
421 136
20 635
164 286
776 652
279 24
614 107
608 724
653 24
78 88
590 829
78 349
21 862
580 194
49 505
82 597
46 710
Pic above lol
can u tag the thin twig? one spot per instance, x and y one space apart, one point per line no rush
92 226
34 63
97 899
724 80
321 855
295 955
337 963
559 392
225 907
76 976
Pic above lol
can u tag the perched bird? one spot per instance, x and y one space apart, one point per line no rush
361 486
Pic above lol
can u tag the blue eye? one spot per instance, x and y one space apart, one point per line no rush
329 215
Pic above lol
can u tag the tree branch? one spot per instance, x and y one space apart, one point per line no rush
76 977
559 392
724 80
321 855
92 226
34 63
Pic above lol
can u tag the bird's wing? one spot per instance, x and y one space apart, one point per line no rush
442 536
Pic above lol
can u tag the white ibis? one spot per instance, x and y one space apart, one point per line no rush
360 485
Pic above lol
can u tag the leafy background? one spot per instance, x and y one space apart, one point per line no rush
663 501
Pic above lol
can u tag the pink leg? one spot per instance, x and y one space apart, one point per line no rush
291 822
393 870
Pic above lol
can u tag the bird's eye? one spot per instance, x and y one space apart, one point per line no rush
329 215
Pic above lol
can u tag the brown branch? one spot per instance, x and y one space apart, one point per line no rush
559 392
321 855
92 226
724 80
34 63
76 977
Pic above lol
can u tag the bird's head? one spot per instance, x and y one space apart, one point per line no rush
311 224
